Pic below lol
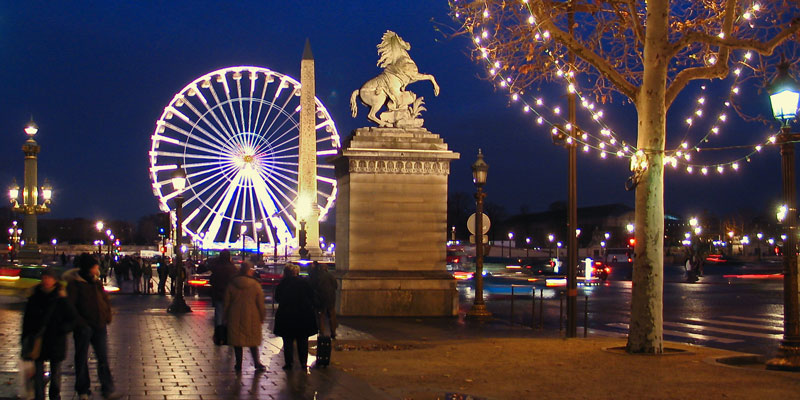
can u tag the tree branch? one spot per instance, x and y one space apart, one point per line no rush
718 70
765 48
637 22
584 53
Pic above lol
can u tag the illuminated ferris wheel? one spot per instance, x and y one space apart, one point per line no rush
236 133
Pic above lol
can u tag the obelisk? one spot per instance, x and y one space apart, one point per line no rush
306 208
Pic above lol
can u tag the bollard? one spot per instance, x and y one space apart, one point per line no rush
533 308
560 311
585 315
511 317
541 305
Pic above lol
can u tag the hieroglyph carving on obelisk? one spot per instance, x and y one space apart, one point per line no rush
306 208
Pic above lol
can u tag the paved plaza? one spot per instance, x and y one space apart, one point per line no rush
155 355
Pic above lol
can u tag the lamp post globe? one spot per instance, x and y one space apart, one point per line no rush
479 173
784 96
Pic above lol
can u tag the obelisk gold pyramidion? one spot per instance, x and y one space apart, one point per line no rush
306 207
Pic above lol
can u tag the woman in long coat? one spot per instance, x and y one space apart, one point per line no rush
295 319
245 313
49 314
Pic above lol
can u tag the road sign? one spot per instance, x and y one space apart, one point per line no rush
471 223
472 239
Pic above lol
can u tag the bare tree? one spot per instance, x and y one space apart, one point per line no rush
645 51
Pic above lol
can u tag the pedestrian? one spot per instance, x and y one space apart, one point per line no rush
244 314
222 271
162 272
86 294
136 271
105 266
295 319
48 318
324 285
63 259
147 276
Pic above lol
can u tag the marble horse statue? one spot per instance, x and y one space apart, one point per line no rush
388 88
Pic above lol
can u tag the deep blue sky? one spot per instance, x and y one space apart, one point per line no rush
97 75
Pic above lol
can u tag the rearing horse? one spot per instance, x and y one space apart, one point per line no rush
399 71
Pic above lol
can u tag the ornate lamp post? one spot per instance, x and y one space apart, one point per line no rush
54 242
31 207
179 305
479 171
784 96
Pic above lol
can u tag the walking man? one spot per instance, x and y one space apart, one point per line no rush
222 271
86 294
324 285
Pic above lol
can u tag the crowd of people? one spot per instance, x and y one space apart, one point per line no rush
305 308
76 302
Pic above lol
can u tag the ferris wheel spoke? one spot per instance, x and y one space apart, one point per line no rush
326 180
261 102
231 132
223 203
285 149
274 183
288 117
326 166
188 135
203 203
230 106
219 128
208 123
281 109
267 203
241 108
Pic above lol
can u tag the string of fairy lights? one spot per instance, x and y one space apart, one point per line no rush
604 140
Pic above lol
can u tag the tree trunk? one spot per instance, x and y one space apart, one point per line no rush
646 325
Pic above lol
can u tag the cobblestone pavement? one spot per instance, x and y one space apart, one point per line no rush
155 355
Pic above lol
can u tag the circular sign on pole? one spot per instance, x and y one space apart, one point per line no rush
471 224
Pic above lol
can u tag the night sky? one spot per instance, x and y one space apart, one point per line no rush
97 75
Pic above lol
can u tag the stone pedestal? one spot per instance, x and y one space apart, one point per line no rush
391 224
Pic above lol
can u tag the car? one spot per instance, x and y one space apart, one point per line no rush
200 283
716 259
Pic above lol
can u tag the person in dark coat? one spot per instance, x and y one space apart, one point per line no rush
324 285
161 270
295 319
222 271
49 314
86 294
245 314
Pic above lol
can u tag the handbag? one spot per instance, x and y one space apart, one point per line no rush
32 345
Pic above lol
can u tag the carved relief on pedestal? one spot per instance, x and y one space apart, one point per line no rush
399 167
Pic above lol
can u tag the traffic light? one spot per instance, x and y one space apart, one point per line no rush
632 242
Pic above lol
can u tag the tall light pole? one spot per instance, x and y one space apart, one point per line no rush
551 238
259 226
510 240
178 305
527 247
54 242
479 171
242 231
30 207
784 97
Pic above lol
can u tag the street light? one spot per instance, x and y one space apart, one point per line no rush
527 247
784 95
29 204
178 305
510 239
693 221
551 238
54 242
259 225
242 231
479 172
